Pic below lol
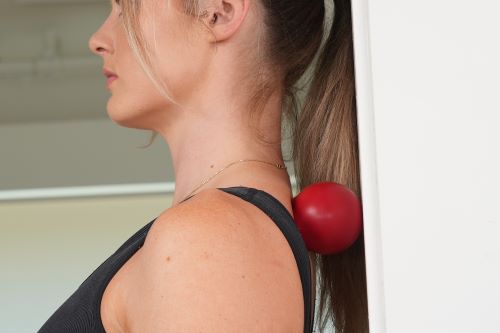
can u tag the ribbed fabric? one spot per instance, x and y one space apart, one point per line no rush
81 311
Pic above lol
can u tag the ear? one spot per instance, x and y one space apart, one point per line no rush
225 17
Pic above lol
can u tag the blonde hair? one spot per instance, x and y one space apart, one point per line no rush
324 126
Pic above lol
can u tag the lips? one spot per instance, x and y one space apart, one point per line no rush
110 75
110 80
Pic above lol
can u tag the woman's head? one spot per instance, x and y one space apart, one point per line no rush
159 56
168 53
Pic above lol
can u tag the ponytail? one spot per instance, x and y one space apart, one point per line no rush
325 148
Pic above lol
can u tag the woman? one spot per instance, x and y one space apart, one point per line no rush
213 77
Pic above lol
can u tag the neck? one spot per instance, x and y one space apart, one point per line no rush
203 141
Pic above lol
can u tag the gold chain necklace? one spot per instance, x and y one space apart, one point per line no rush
279 166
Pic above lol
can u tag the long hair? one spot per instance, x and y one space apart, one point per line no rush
326 149
323 123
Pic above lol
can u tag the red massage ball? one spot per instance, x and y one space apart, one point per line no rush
328 216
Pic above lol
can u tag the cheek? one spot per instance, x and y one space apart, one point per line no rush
183 68
181 56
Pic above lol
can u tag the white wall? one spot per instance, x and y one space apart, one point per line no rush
436 82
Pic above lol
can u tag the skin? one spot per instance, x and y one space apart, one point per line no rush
206 68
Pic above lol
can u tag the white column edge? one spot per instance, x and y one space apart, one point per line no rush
368 166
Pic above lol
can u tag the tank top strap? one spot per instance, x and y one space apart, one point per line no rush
273 208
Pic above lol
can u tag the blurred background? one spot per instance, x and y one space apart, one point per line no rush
73 184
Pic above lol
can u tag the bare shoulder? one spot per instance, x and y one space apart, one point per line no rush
205 267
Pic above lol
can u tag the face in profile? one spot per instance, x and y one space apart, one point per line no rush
180 54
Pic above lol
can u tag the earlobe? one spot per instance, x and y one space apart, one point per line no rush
226 17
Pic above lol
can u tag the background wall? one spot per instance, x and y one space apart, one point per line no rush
435 75
49 247
79 152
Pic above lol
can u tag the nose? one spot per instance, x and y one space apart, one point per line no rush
100 42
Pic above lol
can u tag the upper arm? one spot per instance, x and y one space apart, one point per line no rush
201 271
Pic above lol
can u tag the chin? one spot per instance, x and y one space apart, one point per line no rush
120 116
127 118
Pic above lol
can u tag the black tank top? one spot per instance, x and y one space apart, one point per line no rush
81 311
